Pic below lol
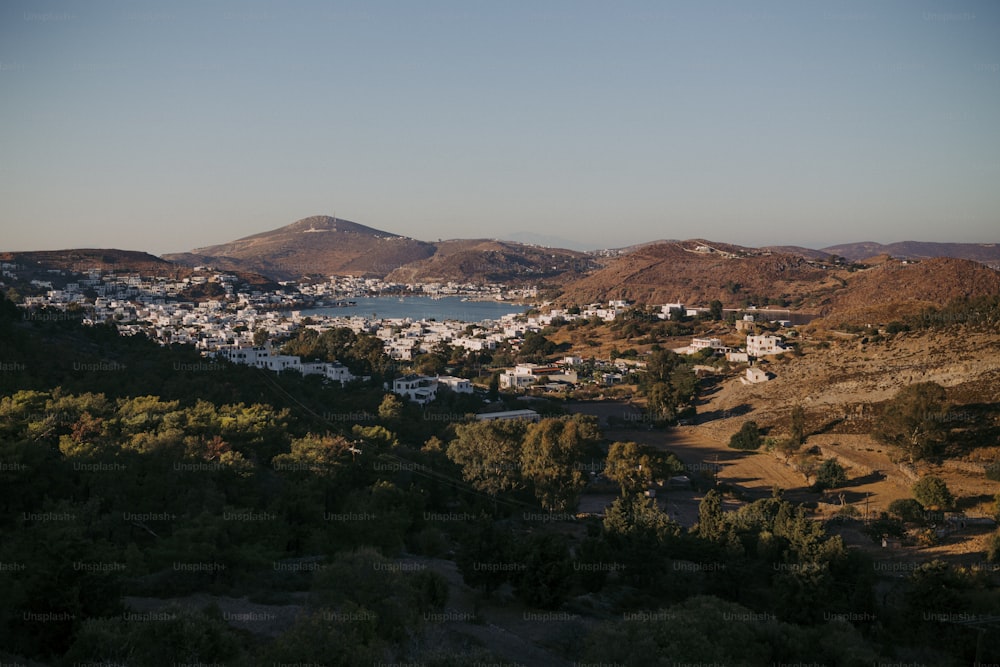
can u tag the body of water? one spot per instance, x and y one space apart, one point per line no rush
422 307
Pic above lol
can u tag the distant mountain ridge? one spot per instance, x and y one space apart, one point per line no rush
318 245
323 246
985 253
895 278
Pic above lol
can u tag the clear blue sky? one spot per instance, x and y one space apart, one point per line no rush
166 126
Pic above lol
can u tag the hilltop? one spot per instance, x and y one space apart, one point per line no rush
892 289
61 266
699 271
318 245
323 246
985 253
494 261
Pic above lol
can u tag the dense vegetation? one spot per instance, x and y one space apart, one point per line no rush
132 475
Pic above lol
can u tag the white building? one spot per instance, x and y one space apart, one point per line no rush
530 415
527 375
419 389
335 371
759 346
456 384
701 343
670 310
263 357
754 375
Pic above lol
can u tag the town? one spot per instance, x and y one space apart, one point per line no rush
239 323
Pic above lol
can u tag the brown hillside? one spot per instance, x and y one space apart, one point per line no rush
82 259
985 253
480 260
319 245
892 289
679 272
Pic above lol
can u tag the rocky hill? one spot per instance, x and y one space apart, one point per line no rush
83 259
985 253
700 271
320 245
324 246
891 289
497 262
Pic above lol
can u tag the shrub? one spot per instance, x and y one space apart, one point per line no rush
747 438
907 509
933 493
830 475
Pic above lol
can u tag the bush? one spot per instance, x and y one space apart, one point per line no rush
993 548
933 493
747 438
907 509
830 475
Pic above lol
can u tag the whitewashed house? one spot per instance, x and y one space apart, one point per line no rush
419 389
456 384
765 344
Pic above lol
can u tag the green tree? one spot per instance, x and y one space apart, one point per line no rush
907 509
181 636
797 427
391 407
747 438
715 309
636 467
913 419
551 456
933 493
489 453
545 574
712 522
830 475
639 534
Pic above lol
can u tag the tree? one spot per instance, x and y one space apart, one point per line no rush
547 574
830 475
551 454
391 407
711 519
715 310
635 467
913 419
747 438
489 453
907 509
933 493
797 427
639 534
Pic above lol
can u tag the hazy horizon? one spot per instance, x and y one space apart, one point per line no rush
169 127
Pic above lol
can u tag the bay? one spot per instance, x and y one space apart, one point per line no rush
421 307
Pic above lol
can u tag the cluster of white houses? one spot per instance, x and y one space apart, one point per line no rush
757 346
263 357
422 389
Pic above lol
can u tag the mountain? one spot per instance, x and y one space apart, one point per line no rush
531 238
319 245
697 272
494 261
985 253
60 267
892 289
322 245
82 259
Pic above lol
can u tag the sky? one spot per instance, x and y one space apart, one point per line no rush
174 125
